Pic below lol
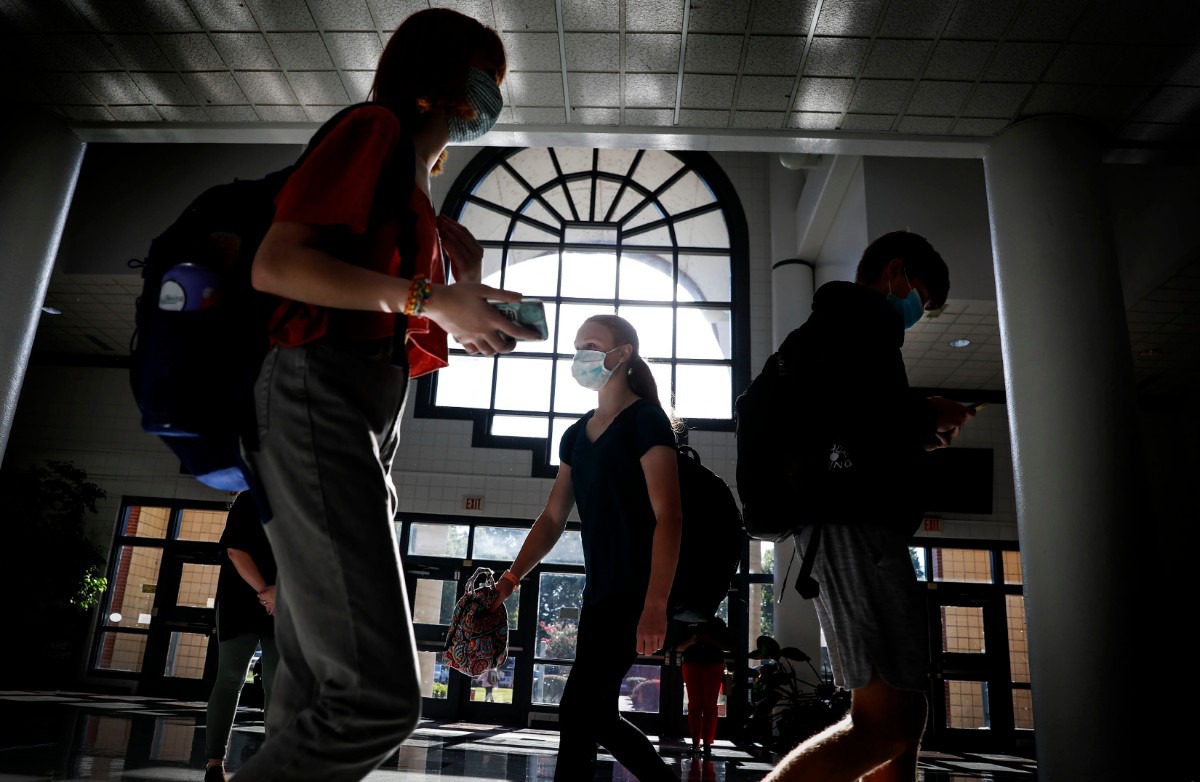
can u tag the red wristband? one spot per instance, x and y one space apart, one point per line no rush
509 576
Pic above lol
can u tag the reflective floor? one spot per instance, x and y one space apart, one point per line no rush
70 735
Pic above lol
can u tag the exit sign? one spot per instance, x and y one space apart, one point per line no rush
932 525
473 503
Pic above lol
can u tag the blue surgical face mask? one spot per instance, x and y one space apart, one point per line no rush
484 96
588 369
910 308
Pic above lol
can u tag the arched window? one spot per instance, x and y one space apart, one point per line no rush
656 237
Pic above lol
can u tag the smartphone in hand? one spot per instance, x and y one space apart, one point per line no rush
975 407
530 313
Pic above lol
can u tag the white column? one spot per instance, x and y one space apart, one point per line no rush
1069 382
39 164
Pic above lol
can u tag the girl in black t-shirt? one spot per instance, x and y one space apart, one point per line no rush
618 465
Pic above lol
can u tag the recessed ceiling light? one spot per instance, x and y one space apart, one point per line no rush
961 342
51 310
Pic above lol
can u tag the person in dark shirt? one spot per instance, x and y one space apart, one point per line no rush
245 610
618 466
869 604
703 654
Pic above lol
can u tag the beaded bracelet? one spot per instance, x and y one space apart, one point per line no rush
418 295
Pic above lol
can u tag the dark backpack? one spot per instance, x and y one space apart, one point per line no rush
201 329
711 547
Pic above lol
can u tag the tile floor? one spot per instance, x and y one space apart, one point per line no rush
88 736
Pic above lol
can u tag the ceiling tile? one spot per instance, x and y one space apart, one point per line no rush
268 87
1045 21
590 15
814 120
282 113
319 88
113 88
138 53
880 96
539 116
871 122
896 59
169 16
936 126
1171 23
595 89
1053 99
960 60
593 51
102 15
996 100
1110 20
760 120
654 16
318 113
482 11
1188 74
939 98
245 51
532 51
783 16
526 15
650 89
390 13
823 94
703 118
835 56
763 93
652 51
702 91
342 15
1169 104
774 55
848 17
1148 64
590 115
648 117
915 18
354 51
729 16
232 113
1081 63
136 114
300 51
64 88
1020 61
225 15
358 84
980 21
282 15
536 89
713 53
191 51
186 113
214 87
164 88
971 126
81 52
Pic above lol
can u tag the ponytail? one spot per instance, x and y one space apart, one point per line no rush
641 380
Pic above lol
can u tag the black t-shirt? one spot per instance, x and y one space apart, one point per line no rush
615 514
238 609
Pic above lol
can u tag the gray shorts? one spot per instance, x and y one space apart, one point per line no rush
871 607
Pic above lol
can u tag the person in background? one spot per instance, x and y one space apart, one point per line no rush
355 255
245 610
618 464
703 654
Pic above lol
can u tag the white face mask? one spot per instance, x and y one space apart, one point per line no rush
588 368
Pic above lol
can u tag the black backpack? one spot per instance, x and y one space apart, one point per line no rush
711 547
201 328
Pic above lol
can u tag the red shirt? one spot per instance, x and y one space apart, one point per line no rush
335 187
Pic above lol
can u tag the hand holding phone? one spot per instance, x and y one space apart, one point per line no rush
975 407
530 313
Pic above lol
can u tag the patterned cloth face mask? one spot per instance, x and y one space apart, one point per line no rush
484 96
588 369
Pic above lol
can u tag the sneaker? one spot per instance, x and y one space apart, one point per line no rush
215 774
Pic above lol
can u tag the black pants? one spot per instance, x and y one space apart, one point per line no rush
589 713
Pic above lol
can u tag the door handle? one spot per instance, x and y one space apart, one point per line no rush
418 572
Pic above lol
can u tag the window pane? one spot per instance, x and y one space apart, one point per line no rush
559 598
706 230
560 425
589 275
438 540
703 391
1012 567
616 161
204 525
581 196
533 165
466 382
1018 639
761 610
970 566
640 688
500 543
198 586
490 273
572 160
519 426
918 559
689 192
435 675
533 272
131 592
591 235
704 333
484 223
571 317
502 692
646 214
433 601
1023 709
500 188
549 680
569 396
524 232
121 652
536 210
629 200
655 167
962 630
185 656
556 197
646 276
662 377
967 705
145 522
704 278
655 328
762 556
523 384
606 192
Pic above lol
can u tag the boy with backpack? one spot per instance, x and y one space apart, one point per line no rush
847 370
